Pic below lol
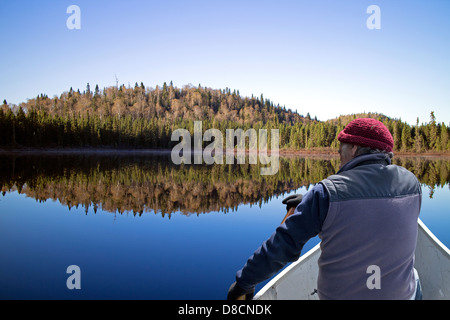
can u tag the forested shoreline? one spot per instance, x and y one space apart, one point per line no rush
144 118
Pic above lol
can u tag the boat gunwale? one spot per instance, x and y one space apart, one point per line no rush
286 271
442 247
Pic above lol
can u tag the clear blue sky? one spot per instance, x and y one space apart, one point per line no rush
311 56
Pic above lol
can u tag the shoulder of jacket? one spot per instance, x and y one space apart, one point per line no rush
371 182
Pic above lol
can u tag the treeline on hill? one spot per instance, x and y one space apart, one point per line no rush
141 117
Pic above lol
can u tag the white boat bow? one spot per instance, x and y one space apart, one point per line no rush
298 281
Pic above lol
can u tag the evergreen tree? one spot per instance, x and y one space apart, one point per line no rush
418 139
432 132
444 137
406 138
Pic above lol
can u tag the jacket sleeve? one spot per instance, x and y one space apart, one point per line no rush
287 241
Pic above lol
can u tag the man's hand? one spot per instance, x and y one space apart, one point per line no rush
292 201
237 293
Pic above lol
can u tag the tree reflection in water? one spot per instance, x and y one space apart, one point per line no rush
151 183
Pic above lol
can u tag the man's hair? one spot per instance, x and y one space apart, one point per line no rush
366 150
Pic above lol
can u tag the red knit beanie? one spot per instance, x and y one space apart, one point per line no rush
367 132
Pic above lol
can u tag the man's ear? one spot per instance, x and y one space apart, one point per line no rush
354 150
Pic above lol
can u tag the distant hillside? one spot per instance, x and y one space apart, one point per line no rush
142 117
345 119
166 103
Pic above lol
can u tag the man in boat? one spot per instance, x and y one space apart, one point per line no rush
366 217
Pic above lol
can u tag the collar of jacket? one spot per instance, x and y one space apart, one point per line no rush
364 159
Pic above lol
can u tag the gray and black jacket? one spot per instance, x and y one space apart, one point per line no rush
366 216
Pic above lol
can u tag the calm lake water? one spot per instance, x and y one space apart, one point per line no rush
140 227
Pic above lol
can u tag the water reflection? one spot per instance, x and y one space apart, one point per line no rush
151 183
